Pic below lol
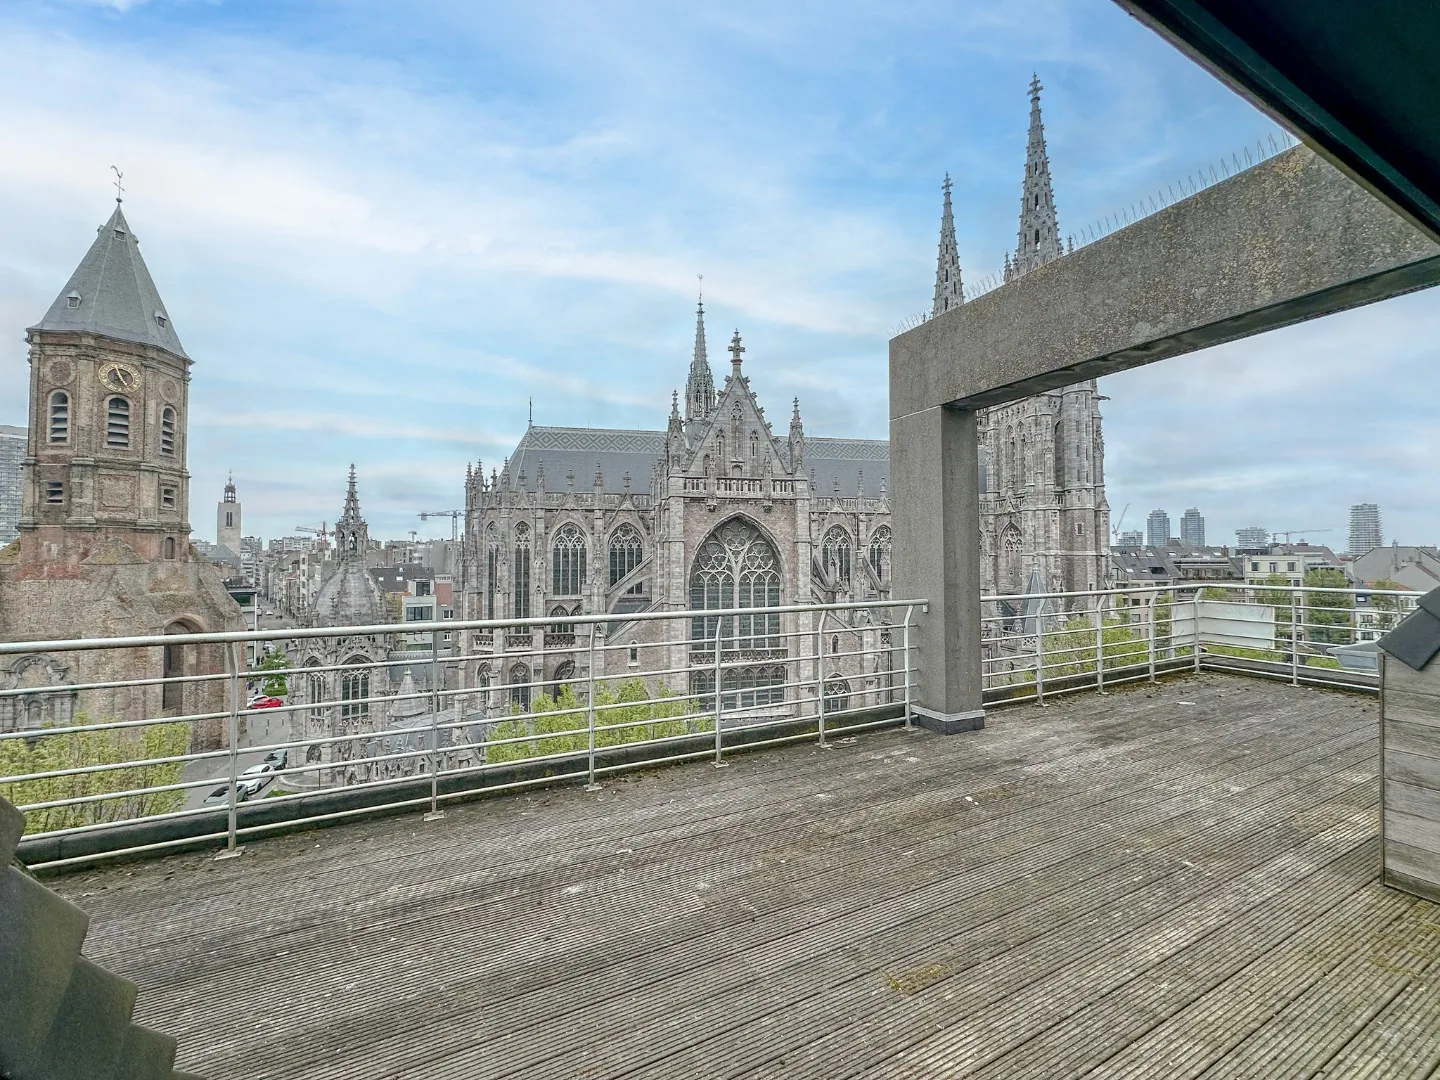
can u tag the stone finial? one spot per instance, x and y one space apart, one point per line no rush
599 476
736 349
949 289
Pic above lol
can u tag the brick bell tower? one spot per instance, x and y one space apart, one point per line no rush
109 401
104 544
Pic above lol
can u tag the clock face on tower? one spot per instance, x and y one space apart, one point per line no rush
120 377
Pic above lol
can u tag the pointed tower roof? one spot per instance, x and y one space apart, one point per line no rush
949 292
111 293
700 386
351 512
1039 239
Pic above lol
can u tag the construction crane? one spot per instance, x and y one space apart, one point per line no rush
1287 533
1115 529
320 533
453 515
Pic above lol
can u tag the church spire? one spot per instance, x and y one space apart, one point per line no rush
1039 239
949 292
351 534
700 387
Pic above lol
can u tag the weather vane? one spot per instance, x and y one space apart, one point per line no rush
119 187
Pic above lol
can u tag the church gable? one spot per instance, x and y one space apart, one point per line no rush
736 440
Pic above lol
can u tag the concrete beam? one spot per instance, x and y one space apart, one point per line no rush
1288 240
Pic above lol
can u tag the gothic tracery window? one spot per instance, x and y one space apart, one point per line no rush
880 553
354 694
625 555
561 632
835 551
492 569
522 571
567 576
520 687
837 694
736 568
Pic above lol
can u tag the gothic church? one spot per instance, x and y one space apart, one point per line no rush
718 511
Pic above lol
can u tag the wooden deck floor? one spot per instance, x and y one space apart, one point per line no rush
1166 882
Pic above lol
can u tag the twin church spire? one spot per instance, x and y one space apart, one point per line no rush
1038 240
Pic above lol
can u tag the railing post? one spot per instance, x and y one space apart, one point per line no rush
1099 647
720 763
233 662
1154 599
1040 655
909 721
435 813
590 783
1296 614
820 678
1195 633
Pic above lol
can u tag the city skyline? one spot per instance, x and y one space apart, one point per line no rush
350 292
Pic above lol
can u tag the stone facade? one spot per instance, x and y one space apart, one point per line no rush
104 545
716 511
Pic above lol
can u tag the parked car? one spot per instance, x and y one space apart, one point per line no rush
256 777
221 795
276 759
265 701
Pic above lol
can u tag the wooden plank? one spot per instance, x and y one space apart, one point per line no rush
1413 861
1412 799
1413 708
1414 830
1407 738
1402 677
1407 768
1029 900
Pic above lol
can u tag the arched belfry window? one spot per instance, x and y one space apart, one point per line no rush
736 568
167 430
567 565
522 571
625 555
835 550
880 553
117 423
59 431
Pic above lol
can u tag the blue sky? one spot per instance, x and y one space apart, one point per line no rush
381 229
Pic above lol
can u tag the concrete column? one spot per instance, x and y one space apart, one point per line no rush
935 512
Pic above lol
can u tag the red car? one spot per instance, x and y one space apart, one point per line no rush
263 702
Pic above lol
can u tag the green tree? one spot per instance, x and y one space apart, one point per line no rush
1071 649
1214 592
1329 615
1386 608
626 714
274 685
1280 596
77 749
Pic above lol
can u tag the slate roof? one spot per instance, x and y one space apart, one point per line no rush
1416 641
116 296
618 451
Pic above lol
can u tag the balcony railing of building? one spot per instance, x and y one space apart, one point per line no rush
181 760
188 758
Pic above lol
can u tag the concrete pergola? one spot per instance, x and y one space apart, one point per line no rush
1288 240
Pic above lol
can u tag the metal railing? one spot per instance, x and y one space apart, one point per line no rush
158 743
1038 644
